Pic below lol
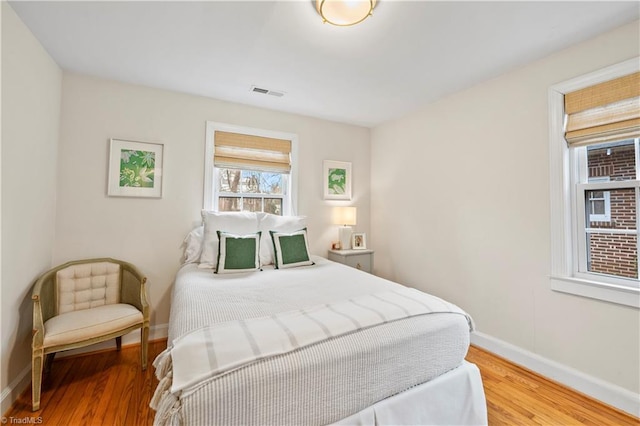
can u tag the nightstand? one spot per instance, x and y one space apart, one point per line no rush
359 259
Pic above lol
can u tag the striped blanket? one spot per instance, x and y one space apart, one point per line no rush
223 347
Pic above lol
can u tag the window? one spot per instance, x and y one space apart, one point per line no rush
595 185
607 241
599 202
250 170
250 190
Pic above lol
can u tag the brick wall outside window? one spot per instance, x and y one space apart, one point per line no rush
615 254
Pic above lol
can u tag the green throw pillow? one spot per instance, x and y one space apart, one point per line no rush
238 253
291 249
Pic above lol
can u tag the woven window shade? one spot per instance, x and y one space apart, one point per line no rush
238 151
604 112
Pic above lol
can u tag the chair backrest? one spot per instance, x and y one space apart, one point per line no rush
87 285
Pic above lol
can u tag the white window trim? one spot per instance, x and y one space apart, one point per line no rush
209 170
563 257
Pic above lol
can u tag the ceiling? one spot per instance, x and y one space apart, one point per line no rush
408 54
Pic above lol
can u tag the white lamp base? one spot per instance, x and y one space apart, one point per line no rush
344 233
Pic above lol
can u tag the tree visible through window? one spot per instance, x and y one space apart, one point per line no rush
250 190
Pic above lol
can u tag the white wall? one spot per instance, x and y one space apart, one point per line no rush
31 85
468 179
149 232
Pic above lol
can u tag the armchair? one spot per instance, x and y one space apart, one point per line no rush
84 302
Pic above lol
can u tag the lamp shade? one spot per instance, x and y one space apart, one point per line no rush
344 216
345 12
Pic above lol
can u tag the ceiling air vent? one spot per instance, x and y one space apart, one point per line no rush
275 93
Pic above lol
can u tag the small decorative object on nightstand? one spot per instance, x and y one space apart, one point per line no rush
360 259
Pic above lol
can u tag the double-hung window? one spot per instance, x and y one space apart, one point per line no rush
605 208
249 170
595 184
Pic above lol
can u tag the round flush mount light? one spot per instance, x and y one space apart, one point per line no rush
344 13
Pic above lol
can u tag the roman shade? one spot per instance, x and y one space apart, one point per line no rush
604 112
235 150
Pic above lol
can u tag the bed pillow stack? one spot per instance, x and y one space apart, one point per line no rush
289 247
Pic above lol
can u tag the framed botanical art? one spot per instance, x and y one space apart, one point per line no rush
337 180
135 169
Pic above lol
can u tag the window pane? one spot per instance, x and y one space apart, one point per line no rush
273 206
613 254
229 180
229 204
597 207
616 160
612 243
618 205
250 181
271 183
252 205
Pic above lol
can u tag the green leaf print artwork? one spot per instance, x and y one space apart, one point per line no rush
337 181
137 168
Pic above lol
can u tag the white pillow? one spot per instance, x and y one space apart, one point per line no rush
193 245
270 222
239 223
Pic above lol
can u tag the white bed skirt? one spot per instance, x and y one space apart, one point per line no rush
454 398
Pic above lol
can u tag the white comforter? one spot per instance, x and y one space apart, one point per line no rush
318 384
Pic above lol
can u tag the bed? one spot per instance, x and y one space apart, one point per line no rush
372 352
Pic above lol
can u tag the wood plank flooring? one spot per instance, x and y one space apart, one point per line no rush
517 396
109 388
102 388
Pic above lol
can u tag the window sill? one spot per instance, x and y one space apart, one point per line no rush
597 290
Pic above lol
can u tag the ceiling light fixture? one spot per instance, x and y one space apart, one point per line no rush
344 13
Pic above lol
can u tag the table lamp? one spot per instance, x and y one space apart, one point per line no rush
345 216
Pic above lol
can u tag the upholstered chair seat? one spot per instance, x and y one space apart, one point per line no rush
83 325
85 302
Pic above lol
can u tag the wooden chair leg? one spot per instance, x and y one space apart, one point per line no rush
144 345
119 343
36 378
48 361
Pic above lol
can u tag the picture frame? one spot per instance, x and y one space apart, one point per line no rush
337 180
358 241
135 169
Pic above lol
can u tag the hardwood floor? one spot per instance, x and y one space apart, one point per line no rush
103 388
517 396
109 388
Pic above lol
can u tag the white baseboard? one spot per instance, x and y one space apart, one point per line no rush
15 389
11 393
601 390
